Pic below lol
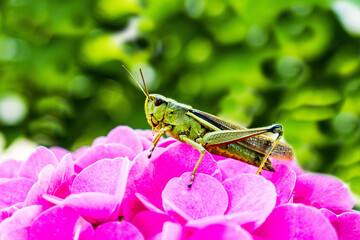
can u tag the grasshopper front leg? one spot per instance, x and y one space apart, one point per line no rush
157 138
200 148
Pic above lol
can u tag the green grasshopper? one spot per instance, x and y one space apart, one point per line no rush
207 132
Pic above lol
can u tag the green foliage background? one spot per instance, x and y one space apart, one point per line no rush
253 62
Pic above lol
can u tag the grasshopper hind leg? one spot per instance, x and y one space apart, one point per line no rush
225 137
274 129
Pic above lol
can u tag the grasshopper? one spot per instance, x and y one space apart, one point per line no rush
207 132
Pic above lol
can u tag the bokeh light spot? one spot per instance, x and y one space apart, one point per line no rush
13 109
345 122
289 66
302 10
194 8
199 50
349 15
256 36
8 49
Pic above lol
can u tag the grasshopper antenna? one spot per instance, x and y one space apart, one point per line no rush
146 93
142 76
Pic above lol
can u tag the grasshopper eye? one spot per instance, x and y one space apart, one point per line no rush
158 102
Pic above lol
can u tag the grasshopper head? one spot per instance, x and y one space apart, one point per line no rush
160 109
155 106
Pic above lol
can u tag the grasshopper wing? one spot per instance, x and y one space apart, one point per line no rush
259 144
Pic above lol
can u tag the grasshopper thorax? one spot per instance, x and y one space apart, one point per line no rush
160 109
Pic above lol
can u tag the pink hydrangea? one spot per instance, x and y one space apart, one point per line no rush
111 190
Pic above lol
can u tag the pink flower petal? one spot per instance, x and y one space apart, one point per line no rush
284 179
249 192
296 221
117 230
195 224
53 199
35 195
150 223
146 143
349 225
141 181
60 222
62 176
251 199
14 190
172 231
177 213
107 151
323 191
294 165
99 141
231 168
167 142
180 158
147 203
40 158
157 237
4 180
196 202
224 231
126 136
106 176
17 226
9 168
9 211
145 133
332 218
59 152
64 189
93 206
79 152
218 157
16 234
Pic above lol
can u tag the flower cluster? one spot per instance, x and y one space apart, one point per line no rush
112 190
